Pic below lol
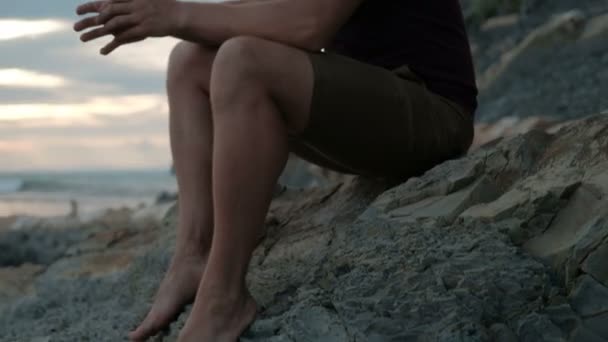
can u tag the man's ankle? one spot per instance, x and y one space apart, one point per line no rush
190 250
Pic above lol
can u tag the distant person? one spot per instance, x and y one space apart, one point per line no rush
73 209
392 95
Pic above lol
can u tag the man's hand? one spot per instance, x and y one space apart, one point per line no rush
128 21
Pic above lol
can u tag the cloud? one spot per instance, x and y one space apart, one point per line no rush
64 106
21 78
143 124
97 153
129 141
133 69
21 28
82 112
151 55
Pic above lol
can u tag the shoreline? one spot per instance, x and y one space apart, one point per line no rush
74 210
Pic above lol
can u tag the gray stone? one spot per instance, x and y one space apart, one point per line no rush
575 231
37 245
449 207
567 26
318 324
596 264
596 26
437 182
502 333
537 327
564 317
582 334
41 339
589 298
500 209
598 325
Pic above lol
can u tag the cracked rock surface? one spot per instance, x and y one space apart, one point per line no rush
506 244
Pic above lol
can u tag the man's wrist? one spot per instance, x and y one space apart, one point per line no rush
178 18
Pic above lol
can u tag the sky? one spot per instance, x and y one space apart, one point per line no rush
63 106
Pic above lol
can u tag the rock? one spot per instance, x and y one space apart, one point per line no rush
435 183
589 298
447 208
597 26
92 265
500 22
36 245
300 174
7 222
502 333
574 233
41 339
535 327
100 241
539 81
18 281
595 264
504 244
114 218
597 325
58 222
564 317
165 197
511 126
582 334
562 28
500 209
150 216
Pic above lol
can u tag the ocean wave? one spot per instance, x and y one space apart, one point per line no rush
87 184
49 186
82 187
10 185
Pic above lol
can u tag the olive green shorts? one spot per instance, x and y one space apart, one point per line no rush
375 122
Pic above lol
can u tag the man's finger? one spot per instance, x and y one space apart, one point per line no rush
86 23
94 34
120 23
130 36
111 46
91 7
113 10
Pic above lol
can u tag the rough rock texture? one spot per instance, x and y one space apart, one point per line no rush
565 27
511 126
506 244
540 57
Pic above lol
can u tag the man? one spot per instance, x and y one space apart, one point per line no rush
392 95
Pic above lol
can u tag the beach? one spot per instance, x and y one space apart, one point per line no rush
49 194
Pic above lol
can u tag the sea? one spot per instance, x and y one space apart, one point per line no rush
46 194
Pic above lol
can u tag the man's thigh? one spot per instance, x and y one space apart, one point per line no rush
367 120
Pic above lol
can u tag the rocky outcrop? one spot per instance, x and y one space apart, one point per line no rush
539 58
511 126
565 27
506 244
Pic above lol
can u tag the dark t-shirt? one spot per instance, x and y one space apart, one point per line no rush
427 36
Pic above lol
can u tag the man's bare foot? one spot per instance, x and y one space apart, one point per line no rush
176 290
219 317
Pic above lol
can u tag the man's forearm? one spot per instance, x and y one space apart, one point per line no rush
306 24
278 20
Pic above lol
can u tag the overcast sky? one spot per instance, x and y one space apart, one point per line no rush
64 106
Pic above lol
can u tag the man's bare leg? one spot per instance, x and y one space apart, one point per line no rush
259 91
191 145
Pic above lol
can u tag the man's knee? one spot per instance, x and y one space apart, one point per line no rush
238 58
190 61
237 78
